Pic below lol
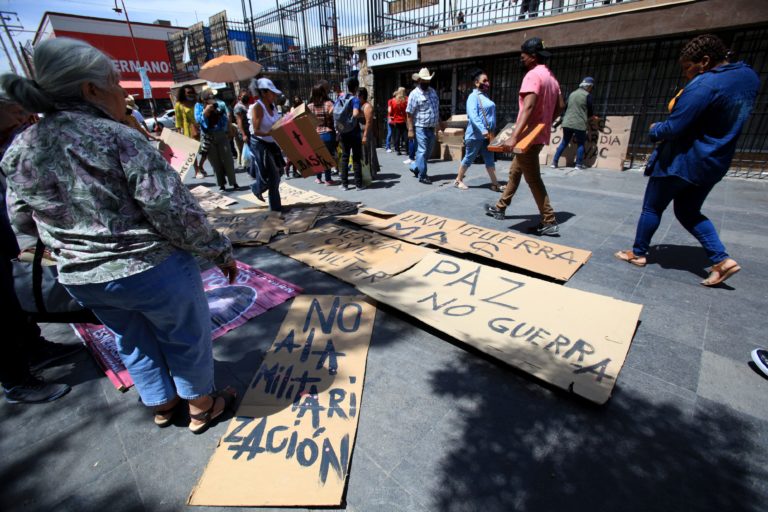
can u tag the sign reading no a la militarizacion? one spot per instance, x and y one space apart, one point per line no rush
393 53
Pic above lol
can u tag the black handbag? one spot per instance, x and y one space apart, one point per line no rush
42 296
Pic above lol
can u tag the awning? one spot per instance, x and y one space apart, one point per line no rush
160 88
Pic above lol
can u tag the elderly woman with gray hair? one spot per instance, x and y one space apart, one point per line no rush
120 224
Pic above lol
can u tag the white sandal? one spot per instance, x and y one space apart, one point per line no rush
460 185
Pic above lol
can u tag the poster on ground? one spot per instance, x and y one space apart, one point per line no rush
576 341
292 439
534 254
231 305
352 255
293 196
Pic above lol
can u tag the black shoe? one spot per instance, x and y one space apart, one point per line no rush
345 187
222 188
415 172
425 180
493 211
48 352
260 197
361 187
35 391
545 229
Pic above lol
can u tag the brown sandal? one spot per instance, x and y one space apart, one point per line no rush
721 271
495 188
228 394
164 416
630 257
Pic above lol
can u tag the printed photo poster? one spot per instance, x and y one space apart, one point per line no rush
575 340
292 439
231 305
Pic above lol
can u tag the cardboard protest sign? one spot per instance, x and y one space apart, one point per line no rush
296 135
508 247
298 220
178 150
575 340
367 216
352 255
292 439
231 305
246 226
210 200
291 196
499 142
606 147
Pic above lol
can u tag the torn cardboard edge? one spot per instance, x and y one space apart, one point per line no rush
508 248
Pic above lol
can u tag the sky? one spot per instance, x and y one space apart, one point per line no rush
30 12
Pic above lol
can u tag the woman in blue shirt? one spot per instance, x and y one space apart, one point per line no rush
696 145
481 113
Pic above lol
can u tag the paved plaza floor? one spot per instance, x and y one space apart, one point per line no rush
445 428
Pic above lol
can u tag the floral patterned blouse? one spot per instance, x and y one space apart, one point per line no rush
102 198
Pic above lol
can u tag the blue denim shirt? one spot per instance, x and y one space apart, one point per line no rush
698 139
223 123
477 126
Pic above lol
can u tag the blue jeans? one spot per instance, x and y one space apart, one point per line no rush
389 137
162 327
688 200
581 139
475 146
425 140
412 149
267 166
329 139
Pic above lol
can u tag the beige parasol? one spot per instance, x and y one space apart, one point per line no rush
229 68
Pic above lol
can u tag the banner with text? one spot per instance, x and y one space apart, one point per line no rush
575 340
292 439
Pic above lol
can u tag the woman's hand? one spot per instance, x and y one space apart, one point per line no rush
229 269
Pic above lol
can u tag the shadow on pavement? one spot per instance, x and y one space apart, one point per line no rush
523 448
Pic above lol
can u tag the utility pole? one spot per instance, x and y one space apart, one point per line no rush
118 10
3 19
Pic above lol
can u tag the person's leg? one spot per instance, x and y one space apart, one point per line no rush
581 140
216 160
658 194
472 147
687 207
329 139
239 148
532 175
158 314
346 148
14 366
515 174
431 138
274 160
419 167
227 160
388 140
357 157
490 165
411 148
567 134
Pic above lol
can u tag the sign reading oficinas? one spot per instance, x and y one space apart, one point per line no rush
393 54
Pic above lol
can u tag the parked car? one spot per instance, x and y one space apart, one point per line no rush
167 120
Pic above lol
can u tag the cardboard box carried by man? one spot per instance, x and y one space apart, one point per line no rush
296 135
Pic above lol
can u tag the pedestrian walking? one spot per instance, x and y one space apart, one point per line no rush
422 110
696 145
390 124
346 112
322 107
213 117
411 142
268 163
368 129
578 112
184 111
122 225
540 102
481 113
240 112
399 125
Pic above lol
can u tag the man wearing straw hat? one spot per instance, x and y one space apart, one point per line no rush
422 111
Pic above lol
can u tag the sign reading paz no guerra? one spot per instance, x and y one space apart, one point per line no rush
575 340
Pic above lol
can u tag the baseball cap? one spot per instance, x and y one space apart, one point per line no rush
266 83
535 46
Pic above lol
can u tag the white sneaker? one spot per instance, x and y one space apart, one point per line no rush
553 166
408 161
389 151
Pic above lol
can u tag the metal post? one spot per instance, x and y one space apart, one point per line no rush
135 50
10 61
10 38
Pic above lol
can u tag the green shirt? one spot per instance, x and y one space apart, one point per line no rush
578 110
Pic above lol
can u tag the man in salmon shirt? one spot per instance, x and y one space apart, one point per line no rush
540 101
